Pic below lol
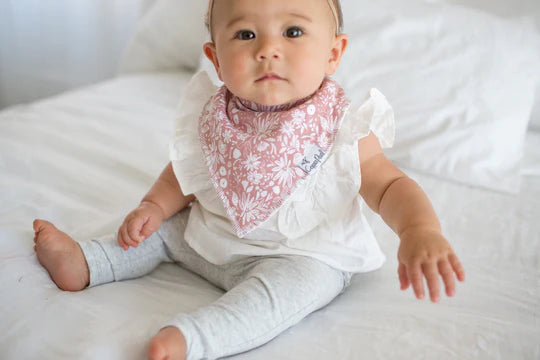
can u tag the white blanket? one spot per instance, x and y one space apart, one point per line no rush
84 159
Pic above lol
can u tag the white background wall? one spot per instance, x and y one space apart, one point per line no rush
49 46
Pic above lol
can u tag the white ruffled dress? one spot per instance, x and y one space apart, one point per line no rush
322 218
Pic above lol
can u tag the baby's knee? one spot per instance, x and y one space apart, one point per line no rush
301 275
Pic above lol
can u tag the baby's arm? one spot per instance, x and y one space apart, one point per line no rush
402 204
164 199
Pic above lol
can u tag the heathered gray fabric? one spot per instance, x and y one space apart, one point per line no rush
265 295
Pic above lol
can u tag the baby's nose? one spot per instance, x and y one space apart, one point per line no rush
268 49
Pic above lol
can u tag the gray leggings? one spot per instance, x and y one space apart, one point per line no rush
265 295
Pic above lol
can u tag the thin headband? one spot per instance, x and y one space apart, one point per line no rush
330 3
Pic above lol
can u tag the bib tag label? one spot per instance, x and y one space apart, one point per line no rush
312 158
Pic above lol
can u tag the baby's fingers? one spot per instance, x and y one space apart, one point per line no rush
121 240
403 279
447 275
458 268
126 238
150 227
432 277
414 273
134 229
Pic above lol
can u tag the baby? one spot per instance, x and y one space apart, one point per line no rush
262 194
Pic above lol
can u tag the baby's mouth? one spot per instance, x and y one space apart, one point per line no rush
269 77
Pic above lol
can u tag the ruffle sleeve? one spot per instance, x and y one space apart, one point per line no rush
329 194
375 115
185 150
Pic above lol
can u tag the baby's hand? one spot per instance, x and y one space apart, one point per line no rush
426 252
140 224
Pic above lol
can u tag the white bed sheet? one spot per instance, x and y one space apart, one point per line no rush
85 158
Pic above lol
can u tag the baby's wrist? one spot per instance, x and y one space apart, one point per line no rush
149 203
422 228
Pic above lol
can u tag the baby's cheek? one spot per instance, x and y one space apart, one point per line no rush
307 65
235 72
310 78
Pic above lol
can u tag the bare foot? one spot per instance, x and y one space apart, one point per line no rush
61 256
169 343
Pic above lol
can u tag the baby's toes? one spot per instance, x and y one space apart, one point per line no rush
46 234
38 224
43 227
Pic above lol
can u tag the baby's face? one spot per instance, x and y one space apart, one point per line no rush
274 52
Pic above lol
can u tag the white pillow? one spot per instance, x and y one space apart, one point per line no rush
517 10
461 83
168 36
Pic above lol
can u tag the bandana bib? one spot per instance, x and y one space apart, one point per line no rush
258 155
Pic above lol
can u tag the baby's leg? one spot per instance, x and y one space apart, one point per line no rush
108 261
268 296
74 266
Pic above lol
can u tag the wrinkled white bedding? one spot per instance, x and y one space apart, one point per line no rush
85 158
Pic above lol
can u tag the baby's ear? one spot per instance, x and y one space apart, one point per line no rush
210 52
336 52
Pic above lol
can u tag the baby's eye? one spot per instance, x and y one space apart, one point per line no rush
245 35
293 32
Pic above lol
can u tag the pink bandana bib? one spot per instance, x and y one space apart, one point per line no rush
258 155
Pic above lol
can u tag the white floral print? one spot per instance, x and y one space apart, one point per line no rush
252 162
283 171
